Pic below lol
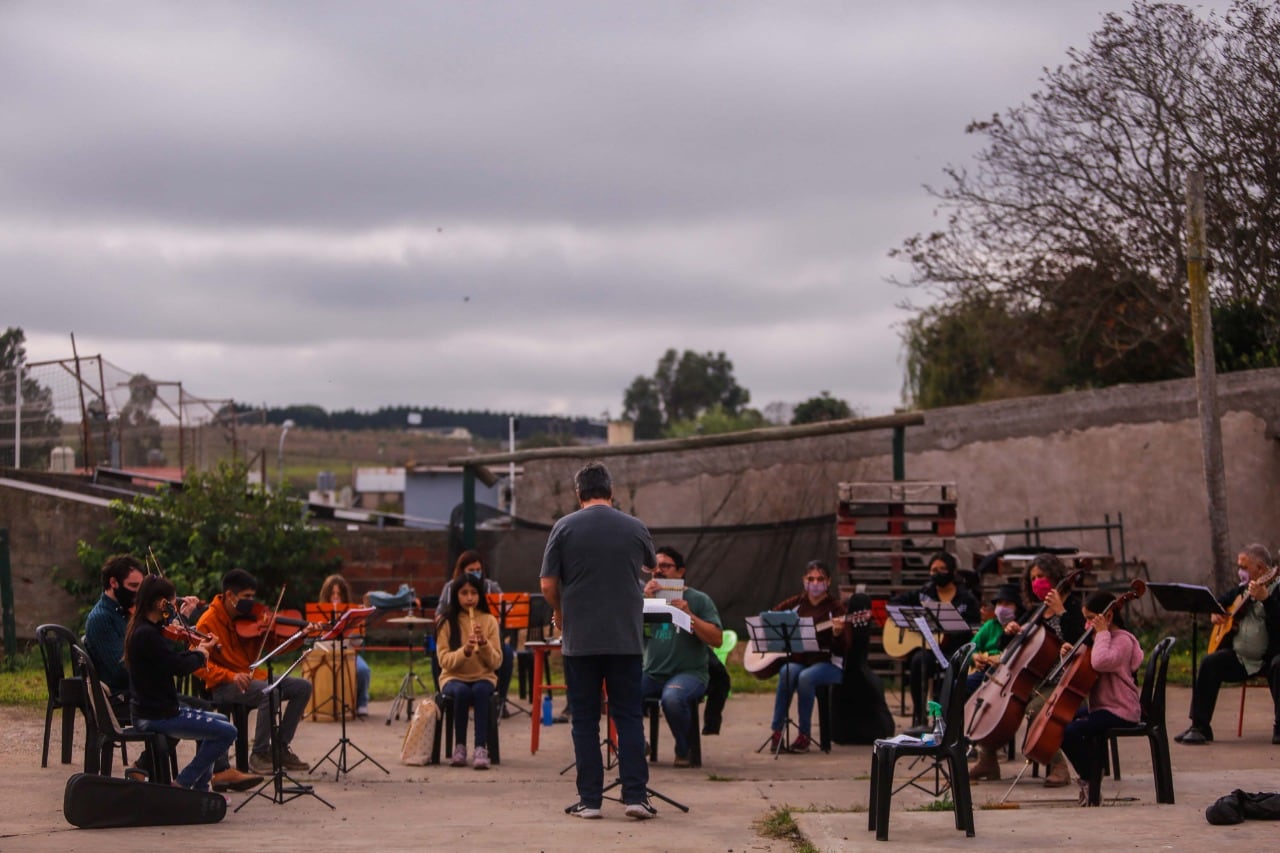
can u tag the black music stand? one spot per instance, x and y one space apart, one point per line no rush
1187 598
929 619
404 698
280 793
507 602
351 621
782 632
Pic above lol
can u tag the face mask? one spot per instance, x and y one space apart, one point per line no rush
943 578
1244 575
244 606
816 588
1005 613
125 596
1040 587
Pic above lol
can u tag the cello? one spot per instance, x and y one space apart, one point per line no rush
1076 677
995 710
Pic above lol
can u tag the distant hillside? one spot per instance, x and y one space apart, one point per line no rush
482 425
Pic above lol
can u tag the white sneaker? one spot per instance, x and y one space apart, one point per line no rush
480 760
641 810
583 811
459 758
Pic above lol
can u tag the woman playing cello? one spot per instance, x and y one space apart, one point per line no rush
1113 701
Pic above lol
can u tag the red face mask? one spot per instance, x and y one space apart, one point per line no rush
1040 587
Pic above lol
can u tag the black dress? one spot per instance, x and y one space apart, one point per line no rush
860 713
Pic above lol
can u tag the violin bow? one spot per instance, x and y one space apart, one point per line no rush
271 626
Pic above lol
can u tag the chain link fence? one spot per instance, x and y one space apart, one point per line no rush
78 413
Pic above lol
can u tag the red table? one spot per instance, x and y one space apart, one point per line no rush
541 651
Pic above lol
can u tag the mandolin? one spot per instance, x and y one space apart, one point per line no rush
1228 624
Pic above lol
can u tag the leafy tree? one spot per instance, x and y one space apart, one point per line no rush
717 420
1070 223
41 427
821 408
683 387
216 522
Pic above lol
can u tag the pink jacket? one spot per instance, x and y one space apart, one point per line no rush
1115 656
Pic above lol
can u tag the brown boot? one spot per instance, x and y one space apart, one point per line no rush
1057 775
986 766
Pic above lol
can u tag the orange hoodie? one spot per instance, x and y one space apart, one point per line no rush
235 654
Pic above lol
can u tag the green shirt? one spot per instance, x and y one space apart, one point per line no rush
671 651
987 640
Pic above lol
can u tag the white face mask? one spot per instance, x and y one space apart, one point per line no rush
1005 613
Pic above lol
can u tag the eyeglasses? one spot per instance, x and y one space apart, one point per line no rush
667 566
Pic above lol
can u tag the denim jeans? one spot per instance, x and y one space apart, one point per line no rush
294 693
678 696
467 695
620 675
1075 739
212 732
364 675
796 677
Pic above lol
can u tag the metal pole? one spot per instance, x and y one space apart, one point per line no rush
899 453
1215 479
468 507
511 466
284 430
6 598
17 421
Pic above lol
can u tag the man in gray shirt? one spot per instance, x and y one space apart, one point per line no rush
591 577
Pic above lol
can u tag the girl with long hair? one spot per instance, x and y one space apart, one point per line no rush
468 648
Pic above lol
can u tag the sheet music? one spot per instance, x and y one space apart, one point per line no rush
923 626
656 606
772 630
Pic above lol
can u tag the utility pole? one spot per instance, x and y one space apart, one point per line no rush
1215 478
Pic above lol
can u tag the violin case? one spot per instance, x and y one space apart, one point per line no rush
103 802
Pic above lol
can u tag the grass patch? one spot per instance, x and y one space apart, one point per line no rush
716 777
779 824
23 686
942 804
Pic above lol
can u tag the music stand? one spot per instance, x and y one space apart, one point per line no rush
513 614
1187 598
929 619
352 621
279 793
782 632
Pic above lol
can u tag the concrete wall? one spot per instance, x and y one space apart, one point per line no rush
1067 459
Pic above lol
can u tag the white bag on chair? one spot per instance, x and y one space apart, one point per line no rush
421 734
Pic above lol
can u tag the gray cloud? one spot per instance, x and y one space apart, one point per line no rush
509 206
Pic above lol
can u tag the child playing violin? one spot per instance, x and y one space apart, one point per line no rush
152 663
470 652
230 679
1113 701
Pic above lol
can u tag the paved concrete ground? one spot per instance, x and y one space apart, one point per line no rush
519 805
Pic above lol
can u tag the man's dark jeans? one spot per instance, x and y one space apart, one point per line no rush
620 675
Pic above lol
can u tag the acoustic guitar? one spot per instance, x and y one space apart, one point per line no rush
1228 624
901 641
766 664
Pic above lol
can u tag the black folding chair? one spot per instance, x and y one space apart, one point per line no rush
109 734
66 689
1152 727
947 759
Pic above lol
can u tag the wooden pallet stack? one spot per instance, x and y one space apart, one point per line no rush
885 533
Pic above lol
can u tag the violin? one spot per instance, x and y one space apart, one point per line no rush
1076 677
261 620
995 710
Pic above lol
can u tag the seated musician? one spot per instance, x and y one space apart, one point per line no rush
336 590
470 654
153 663
1252 647
1113 700
988 643
230 679
809 670
104 633
1062 617
471 563
942 587
675 661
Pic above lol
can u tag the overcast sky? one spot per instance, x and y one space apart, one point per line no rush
511 206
